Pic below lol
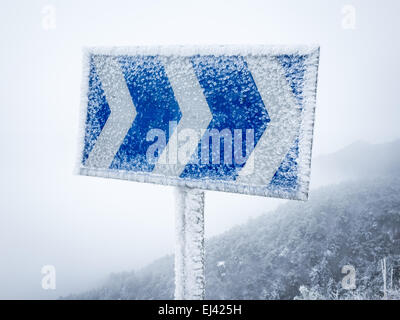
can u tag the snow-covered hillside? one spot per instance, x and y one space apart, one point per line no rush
298 251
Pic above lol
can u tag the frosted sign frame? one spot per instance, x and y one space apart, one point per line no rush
141 106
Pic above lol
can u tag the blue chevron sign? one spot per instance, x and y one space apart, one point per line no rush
226 118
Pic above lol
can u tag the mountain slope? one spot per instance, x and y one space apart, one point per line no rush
359 160
300 244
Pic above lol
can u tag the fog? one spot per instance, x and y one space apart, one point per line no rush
88 227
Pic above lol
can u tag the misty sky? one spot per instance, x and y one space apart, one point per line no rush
87 227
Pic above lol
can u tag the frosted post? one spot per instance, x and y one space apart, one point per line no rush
383 265
189 247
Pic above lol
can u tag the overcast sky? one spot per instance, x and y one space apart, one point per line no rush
87 227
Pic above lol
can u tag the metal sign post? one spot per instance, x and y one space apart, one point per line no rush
189 247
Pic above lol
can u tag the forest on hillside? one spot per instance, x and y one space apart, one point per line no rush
296 252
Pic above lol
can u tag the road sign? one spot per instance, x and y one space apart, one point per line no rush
235 119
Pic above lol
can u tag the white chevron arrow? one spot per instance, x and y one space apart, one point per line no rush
283 128
123 112
196 116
